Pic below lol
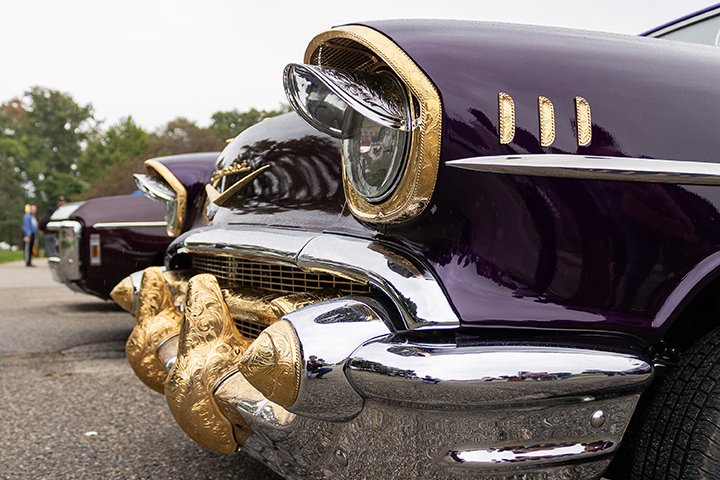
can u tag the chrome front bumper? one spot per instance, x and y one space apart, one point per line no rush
333 389
65 267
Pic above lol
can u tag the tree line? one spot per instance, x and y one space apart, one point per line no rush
51 146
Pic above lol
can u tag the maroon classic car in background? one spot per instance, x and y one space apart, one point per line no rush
101 241
475 251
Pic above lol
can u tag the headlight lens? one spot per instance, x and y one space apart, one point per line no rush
369 112
373 155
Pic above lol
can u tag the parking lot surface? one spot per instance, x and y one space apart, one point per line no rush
71 406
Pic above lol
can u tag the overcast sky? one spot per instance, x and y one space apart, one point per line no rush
160 59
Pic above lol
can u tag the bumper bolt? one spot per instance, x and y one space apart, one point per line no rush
341 457
598 419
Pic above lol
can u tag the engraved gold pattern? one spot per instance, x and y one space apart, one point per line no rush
233 169
273 365
222 199
506 114
123 293
417 184
584 121
547 121
295 301
210 348
156 319
155 167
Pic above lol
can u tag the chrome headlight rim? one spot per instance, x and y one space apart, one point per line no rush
417 183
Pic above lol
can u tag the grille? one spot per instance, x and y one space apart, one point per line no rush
344 54
239 272
249 329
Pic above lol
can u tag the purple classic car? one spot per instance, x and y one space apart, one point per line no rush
100 241
475 250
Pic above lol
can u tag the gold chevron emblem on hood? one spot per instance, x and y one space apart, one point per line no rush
221 199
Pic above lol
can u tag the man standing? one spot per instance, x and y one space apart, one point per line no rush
30 229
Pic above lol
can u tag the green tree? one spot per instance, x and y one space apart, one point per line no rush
184 136
12 195
122 142
49 129
228 124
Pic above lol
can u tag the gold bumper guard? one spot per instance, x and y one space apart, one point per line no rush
187 345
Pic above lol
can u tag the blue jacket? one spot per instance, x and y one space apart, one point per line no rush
30 225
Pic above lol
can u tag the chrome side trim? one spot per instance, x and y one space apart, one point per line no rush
411 286
596 168
107 225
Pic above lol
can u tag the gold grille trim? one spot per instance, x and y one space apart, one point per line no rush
234 272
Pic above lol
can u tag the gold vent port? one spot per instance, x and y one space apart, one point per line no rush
345 54
235 272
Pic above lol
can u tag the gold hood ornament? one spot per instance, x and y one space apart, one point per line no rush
221 199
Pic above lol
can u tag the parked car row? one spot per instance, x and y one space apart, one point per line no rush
472 250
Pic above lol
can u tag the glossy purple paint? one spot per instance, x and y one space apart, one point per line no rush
123 250
531 251
193 170
301 189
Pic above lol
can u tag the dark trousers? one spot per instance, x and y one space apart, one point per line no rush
27 251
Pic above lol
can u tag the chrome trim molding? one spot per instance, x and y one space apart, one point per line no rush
279 246
107 225
597 168
685 23
411 286
65 267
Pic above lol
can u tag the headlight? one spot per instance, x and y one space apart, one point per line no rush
160 184
359 86
369 112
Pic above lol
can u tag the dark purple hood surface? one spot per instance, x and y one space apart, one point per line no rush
529 251
193 170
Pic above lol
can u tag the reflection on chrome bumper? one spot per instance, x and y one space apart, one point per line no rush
331 388
65 267
433 407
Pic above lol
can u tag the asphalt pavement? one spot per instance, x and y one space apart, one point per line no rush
70 406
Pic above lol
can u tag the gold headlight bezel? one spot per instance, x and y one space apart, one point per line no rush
155 167
417 183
